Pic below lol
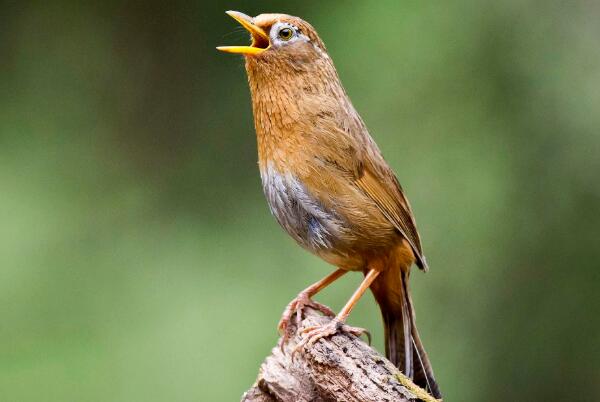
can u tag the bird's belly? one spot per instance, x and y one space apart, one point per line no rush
304 218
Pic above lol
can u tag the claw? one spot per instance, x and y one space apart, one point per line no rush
308 329
314 333
368 334
293 312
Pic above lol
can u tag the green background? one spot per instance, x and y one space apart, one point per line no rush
138 259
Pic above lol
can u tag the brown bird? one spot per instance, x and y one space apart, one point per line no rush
328 185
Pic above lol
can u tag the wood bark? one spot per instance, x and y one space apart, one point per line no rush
338 368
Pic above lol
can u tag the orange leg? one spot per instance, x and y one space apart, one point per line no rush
323 283
313 334
345 312
295 307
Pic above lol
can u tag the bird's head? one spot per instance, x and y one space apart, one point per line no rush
278 40
292 79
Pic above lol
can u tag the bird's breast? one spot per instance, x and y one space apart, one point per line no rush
301 215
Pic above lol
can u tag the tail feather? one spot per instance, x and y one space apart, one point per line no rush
423 370
403 345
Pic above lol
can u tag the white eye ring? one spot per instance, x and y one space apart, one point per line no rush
283 33
286 33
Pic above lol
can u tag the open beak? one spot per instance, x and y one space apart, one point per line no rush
260 40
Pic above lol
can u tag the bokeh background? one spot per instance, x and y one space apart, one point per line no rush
138 259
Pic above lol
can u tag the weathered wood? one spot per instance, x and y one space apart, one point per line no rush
338 368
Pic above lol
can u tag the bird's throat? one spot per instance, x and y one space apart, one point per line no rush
293 104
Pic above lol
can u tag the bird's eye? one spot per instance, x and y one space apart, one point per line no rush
286 33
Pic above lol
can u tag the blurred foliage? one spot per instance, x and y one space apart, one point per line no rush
138 260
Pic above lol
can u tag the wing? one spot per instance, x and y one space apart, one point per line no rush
352 152
380 184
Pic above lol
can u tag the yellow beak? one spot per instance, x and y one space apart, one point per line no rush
260 40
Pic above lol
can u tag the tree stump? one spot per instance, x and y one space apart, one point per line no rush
338 368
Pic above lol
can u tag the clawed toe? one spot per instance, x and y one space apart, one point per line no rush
312 334
358 332
321 307
292 316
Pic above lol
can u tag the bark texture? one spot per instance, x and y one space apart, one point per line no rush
338 368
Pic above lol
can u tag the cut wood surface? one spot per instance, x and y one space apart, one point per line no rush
338 368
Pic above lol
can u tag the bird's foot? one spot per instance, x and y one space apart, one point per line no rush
314 333
293 311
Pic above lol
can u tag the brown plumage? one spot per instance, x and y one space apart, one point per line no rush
328 185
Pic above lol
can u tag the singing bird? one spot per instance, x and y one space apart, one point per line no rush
328 186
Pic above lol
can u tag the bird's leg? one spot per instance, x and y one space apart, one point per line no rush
295 307
337 324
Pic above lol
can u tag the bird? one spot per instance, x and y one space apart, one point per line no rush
329 187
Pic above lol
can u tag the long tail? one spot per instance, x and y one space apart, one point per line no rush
403 345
